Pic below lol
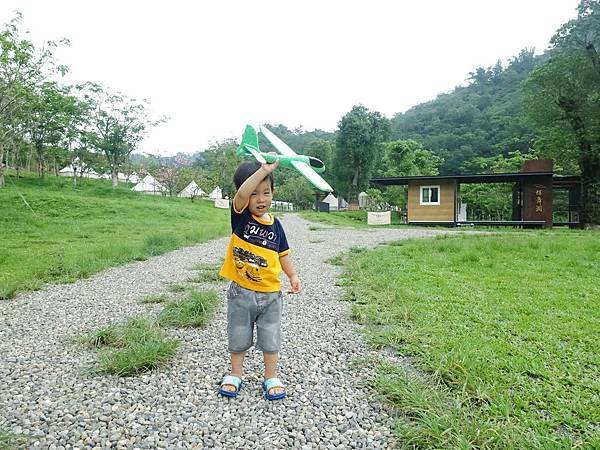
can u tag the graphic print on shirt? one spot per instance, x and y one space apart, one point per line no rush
248 264
261 236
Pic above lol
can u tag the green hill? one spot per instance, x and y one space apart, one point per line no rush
482 119
53 232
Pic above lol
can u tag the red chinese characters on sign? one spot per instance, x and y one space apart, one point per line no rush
538 199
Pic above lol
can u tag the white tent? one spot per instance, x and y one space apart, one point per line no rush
191 190
149 185
342 204
66 171
216 193
90 173
333 202
82 170
363 200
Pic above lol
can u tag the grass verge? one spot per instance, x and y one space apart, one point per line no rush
353 219
137 346
194 310
64 233
505 327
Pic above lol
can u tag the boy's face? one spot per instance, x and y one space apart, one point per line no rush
261 198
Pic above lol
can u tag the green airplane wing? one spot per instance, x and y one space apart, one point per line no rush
315 179
249 145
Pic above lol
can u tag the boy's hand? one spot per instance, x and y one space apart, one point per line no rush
295 284
270 167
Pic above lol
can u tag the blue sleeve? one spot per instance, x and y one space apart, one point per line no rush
237 218
283 243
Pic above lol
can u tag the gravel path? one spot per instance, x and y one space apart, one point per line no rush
46 392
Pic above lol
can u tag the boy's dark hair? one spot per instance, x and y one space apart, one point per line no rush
245 170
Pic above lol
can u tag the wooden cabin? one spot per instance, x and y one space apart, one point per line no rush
435 200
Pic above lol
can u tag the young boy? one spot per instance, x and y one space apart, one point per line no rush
257 252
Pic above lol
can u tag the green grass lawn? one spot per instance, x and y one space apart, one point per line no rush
354 219
68 233
504 332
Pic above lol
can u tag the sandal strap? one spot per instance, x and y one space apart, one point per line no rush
232 380
273 383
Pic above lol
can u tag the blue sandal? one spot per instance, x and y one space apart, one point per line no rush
270 384
231 380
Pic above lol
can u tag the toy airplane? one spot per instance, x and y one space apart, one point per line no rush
308 166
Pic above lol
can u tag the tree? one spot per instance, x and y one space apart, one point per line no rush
408 157
482 119
52 117
21 66
404 158
562 98
322 149
116 125
360 133
171 178
222 163
492 201
297 191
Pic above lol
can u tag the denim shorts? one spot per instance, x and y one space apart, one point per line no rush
246 308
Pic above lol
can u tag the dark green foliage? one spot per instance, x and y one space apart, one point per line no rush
358 146
563 102
482 119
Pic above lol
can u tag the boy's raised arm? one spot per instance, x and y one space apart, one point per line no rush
247 188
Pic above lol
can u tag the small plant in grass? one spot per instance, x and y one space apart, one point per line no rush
135 347
13 441
176 287
356 250
192 311
208 266
160 298
337 260
206 276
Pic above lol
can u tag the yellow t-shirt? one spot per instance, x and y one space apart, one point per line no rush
252 258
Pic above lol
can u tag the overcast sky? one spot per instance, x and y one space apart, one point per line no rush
213 66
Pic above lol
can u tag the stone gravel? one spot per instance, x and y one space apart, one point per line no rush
48 393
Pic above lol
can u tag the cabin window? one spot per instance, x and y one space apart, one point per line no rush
430 195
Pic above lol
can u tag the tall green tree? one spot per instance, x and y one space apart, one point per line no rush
21 68
408 157
52 117
222 162
360 133
117 124
403 158
297 191
562 99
